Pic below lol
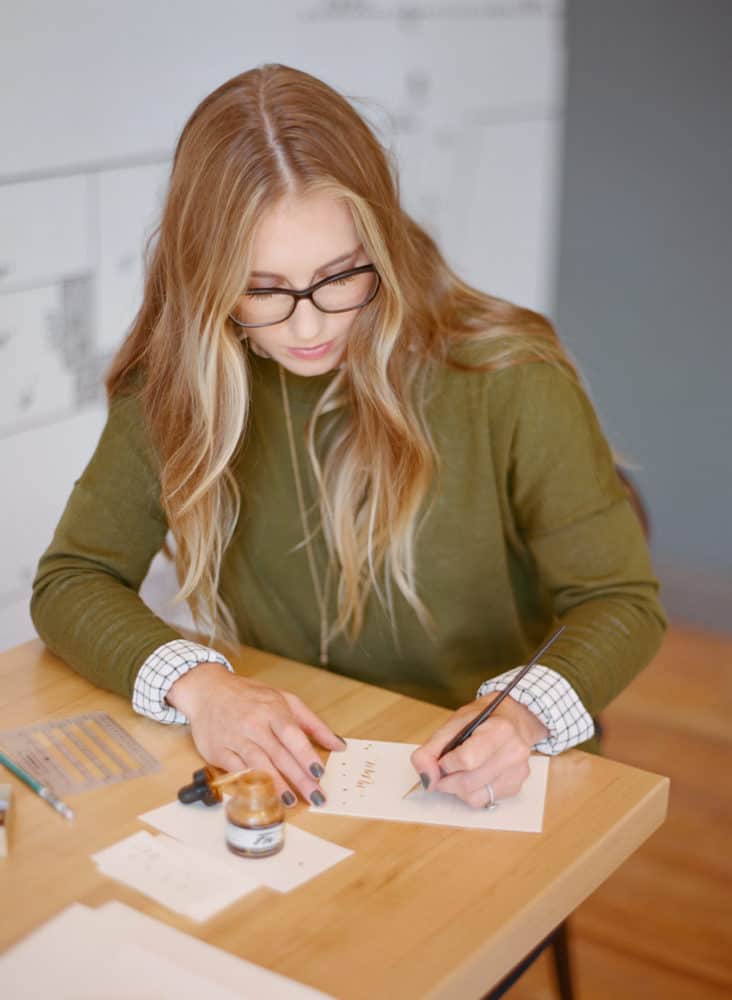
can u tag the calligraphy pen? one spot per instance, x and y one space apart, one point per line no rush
468 730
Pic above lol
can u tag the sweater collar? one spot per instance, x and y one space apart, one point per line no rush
302 390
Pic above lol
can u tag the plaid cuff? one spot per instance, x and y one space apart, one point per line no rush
553 699
159 673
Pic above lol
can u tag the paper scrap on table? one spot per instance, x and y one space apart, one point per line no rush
181 878
370 778
204 827
116 953
246 978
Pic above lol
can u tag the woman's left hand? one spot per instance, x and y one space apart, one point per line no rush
497 753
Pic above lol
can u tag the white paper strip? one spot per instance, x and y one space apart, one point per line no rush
181 878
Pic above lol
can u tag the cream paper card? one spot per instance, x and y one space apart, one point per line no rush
116 953
181 878
371 776
203 827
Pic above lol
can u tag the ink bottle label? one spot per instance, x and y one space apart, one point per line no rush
254 842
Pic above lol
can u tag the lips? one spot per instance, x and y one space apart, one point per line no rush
311 352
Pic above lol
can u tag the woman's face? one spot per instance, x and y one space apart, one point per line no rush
302 240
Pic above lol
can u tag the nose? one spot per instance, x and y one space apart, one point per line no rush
306 322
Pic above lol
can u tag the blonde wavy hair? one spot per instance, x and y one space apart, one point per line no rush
270 132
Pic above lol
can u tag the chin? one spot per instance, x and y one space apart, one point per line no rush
309 368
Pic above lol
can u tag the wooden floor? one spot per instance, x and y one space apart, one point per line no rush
661 926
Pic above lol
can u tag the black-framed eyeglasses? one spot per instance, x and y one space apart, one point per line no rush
339 293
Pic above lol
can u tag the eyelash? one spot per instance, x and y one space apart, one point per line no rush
254 294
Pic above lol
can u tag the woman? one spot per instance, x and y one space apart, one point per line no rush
364 463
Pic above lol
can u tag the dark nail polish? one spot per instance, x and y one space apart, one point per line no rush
288 798
317 770
425 779
317 798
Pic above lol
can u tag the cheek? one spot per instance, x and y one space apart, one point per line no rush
261 342
341 323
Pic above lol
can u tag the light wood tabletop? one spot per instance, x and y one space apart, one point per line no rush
416 911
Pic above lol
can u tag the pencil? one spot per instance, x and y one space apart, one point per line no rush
45 793
470 728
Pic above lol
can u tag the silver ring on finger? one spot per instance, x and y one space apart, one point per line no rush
491 803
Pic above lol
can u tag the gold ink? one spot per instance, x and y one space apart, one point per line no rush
367 775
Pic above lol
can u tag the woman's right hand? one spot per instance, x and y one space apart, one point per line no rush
237 722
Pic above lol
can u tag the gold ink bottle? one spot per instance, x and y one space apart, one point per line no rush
255 817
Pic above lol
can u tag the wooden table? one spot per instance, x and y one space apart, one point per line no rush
417 911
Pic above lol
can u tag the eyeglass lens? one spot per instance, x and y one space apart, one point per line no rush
337 295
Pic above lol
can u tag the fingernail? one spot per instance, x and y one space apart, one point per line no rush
341 739
317 798
317 771
288 798
425 779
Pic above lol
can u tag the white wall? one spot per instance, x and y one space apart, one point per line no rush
645 265
468 94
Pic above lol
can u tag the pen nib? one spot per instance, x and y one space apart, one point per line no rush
415 786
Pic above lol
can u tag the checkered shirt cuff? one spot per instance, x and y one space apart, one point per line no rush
553 699
159 673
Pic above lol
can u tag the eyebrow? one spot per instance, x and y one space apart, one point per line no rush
336 260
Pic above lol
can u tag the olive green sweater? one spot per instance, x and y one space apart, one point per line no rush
528 523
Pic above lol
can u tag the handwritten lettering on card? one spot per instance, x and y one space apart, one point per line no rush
370 778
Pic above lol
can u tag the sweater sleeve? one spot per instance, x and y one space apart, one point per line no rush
85 603
584 539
